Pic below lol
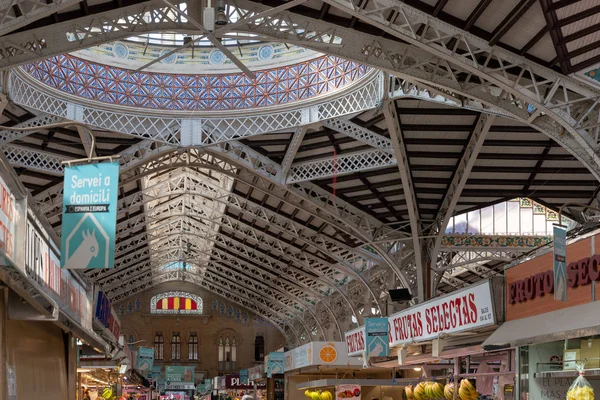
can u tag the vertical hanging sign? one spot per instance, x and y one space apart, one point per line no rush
377 337
145 360
560 263
275 364
244 377
89 215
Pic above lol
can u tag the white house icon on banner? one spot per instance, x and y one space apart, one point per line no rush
89 247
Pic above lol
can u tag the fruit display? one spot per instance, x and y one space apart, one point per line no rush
581 393
408 391
318 395
425 391
580 389
449 391
467 391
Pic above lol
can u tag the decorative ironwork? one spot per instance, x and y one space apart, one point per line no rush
118 86
489 241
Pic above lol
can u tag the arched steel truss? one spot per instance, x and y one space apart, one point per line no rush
432 66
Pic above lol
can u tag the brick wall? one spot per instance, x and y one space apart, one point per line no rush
143 326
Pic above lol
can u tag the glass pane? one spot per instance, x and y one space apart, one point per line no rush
513 217
487 220
500 218
539 224
460 223
526 221
450 227
474 222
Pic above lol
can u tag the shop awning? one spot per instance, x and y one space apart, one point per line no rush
568 323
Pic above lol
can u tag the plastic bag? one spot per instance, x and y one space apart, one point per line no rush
580 389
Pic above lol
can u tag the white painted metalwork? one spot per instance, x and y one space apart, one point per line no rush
39 120
559 102
344 164
150 124
30 11
397 139
359 133
23 157
291 151
459 180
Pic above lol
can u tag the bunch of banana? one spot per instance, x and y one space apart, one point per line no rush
409 392
467 390
434 390
425 391
326 395
314 395
449 391
581 393
419 391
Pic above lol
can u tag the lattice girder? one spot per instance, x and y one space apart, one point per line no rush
201 131
240 249
177 207
559 102
197 187
148 281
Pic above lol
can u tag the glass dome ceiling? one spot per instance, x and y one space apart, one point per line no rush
176 71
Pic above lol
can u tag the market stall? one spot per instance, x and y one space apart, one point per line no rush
257 375
274 366
439 342
234 388
314 369
554 337
179 381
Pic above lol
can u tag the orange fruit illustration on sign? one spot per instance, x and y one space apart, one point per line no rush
328 353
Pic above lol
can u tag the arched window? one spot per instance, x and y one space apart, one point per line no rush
131 345
227 343
176 303
176 346
259 348
193 347
159 346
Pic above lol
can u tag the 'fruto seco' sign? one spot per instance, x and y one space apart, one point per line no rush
460 311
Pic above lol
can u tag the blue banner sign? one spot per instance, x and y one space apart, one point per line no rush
145 360
560 263
155 374
377 337
275 364
177 373
89 216
244 377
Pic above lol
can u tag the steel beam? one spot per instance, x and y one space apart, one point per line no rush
7 136
397 137
459 180
559 102
291 151
28 11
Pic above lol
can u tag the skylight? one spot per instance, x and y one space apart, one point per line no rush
520 216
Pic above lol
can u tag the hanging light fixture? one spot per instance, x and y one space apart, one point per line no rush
220 17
